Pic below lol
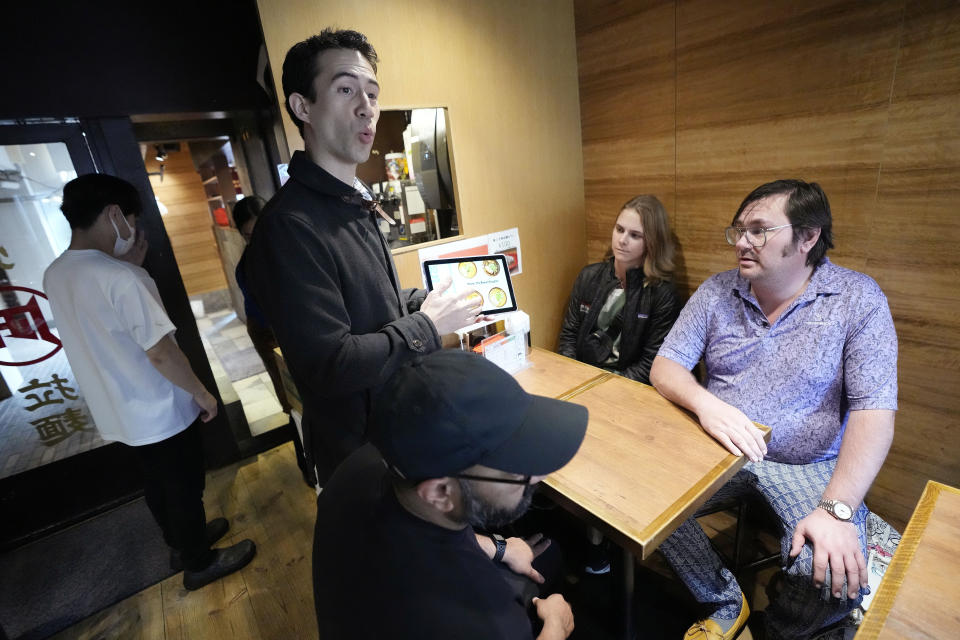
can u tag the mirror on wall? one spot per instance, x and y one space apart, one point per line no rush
409 173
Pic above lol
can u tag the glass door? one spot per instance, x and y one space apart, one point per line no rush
43 417
54 467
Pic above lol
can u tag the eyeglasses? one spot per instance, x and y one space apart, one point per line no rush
756 236
467 476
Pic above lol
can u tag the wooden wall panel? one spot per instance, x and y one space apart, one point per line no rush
780 93
187 221
627 104
914 250
507 72
863 98
743 61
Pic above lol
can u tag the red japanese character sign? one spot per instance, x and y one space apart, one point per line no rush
26 322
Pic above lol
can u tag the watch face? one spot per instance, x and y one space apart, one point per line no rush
843 511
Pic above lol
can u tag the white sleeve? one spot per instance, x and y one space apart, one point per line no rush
137 302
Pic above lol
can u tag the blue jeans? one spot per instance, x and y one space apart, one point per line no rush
792 492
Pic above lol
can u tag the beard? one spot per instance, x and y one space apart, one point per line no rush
485 516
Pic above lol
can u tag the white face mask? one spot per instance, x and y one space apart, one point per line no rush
121 246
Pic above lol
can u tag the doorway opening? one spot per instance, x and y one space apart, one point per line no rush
198 179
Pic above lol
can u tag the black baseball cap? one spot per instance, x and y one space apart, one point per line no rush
452 409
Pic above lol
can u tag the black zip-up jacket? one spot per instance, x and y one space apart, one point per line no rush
319 269
648 314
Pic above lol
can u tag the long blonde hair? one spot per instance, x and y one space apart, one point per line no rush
659 248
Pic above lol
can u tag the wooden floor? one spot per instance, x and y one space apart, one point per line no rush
266 500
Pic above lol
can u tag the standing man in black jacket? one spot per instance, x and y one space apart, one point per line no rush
318 265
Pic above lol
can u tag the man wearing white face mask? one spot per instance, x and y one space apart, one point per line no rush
136 381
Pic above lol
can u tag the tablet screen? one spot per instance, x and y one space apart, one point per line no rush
486 277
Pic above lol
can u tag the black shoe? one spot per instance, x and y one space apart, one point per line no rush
216 529
597 560
225 561
597 564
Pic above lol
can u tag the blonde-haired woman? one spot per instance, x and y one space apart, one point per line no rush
621 309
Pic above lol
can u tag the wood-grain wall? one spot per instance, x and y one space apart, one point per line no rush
700 101
187 221
507 73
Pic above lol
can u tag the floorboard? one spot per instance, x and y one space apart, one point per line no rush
266 500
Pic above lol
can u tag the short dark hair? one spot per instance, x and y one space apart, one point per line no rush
85 198
807 208
247 208
300 65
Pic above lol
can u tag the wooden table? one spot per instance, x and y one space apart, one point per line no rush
919 596
645 464
549 374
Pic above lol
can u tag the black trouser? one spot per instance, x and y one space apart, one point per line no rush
264 342
174 478
550 565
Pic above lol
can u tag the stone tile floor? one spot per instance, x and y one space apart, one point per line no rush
231 356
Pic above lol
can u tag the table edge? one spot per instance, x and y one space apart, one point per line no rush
660 529
876 617
649 538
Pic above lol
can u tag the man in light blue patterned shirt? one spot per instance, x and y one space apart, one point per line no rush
808 348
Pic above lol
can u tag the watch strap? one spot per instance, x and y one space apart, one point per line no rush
830 507
501 544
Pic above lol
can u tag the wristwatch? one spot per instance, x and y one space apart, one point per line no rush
839 510
501 545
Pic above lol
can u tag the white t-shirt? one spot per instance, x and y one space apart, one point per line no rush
108 313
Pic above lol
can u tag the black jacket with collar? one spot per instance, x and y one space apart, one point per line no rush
321 272
648 314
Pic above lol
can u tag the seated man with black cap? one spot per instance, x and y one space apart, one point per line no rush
456 444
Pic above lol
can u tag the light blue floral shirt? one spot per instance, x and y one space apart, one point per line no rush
834 350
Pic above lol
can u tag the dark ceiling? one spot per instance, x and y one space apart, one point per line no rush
110 58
